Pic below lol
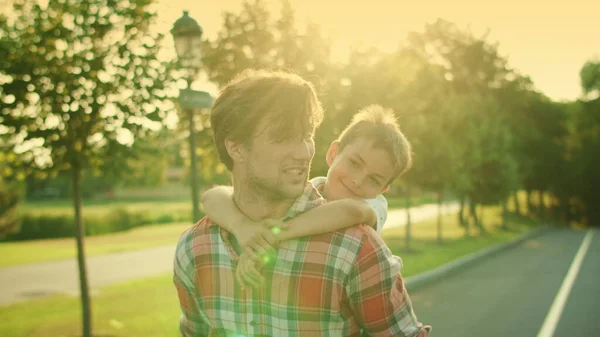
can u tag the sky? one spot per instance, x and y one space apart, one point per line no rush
546 40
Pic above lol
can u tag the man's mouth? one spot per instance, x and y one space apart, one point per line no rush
295 171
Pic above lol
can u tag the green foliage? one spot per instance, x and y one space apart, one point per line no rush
46 225
590 76
80 81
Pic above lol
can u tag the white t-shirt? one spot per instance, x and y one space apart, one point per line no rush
379 203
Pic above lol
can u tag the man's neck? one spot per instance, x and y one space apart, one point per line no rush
255 206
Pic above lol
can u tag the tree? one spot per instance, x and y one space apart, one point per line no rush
255 38
9 202
81 81
590 77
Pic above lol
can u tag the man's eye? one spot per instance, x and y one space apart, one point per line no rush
354 162
375 181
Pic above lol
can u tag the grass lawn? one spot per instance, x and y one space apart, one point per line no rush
426 253
15 253
149 307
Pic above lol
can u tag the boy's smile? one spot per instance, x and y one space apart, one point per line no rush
357 171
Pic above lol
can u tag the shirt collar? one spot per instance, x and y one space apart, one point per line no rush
310 198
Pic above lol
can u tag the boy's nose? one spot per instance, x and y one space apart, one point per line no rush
358 180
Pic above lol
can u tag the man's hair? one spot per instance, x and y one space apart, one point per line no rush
289 101
379 124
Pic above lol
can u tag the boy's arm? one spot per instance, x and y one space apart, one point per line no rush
330 217
219 207
380 205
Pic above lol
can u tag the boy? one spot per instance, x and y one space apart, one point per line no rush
366 158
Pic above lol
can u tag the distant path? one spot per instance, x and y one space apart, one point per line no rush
21 283
397 217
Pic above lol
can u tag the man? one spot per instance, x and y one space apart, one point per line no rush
332 284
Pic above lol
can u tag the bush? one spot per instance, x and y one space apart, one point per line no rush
118 219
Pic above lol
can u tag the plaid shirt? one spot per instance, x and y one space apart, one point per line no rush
332 284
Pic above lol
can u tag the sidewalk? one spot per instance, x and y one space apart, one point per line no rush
397 217
22 283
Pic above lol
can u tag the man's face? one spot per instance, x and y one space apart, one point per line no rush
358 171
277 169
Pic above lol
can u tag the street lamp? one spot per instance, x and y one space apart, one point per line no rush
187 35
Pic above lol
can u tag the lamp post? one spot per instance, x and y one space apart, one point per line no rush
187 35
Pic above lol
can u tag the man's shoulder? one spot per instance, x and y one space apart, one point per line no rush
371 242
200 231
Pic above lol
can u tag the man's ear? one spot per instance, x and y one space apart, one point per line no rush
332 152
235 150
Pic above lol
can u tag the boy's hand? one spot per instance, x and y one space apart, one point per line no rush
275 225
263 244
258 250
246 272
247 232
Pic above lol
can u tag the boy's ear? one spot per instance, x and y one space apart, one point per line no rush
235 150
332 152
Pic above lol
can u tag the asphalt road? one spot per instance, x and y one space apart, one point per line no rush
512 293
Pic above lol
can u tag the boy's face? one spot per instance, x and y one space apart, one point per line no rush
358 171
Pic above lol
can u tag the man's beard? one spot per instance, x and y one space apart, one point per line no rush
270 189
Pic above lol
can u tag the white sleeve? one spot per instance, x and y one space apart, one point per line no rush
380 205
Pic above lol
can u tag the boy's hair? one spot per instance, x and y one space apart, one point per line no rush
288 100
379 124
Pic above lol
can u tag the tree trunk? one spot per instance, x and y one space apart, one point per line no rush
461 216
481 216
541 204
408 221
439 219
565 210
505 214
473 213
517 203
193 168
530 208
80 236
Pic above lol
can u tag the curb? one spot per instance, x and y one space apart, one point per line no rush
427 277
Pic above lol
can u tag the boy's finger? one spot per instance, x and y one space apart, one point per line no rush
252 254
239 272
255 273
261 247
238 276
248 277
271 239
267 246
252 272
276 226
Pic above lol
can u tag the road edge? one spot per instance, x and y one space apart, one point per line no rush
414 282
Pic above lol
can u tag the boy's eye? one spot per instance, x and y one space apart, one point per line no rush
375 181
354 162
